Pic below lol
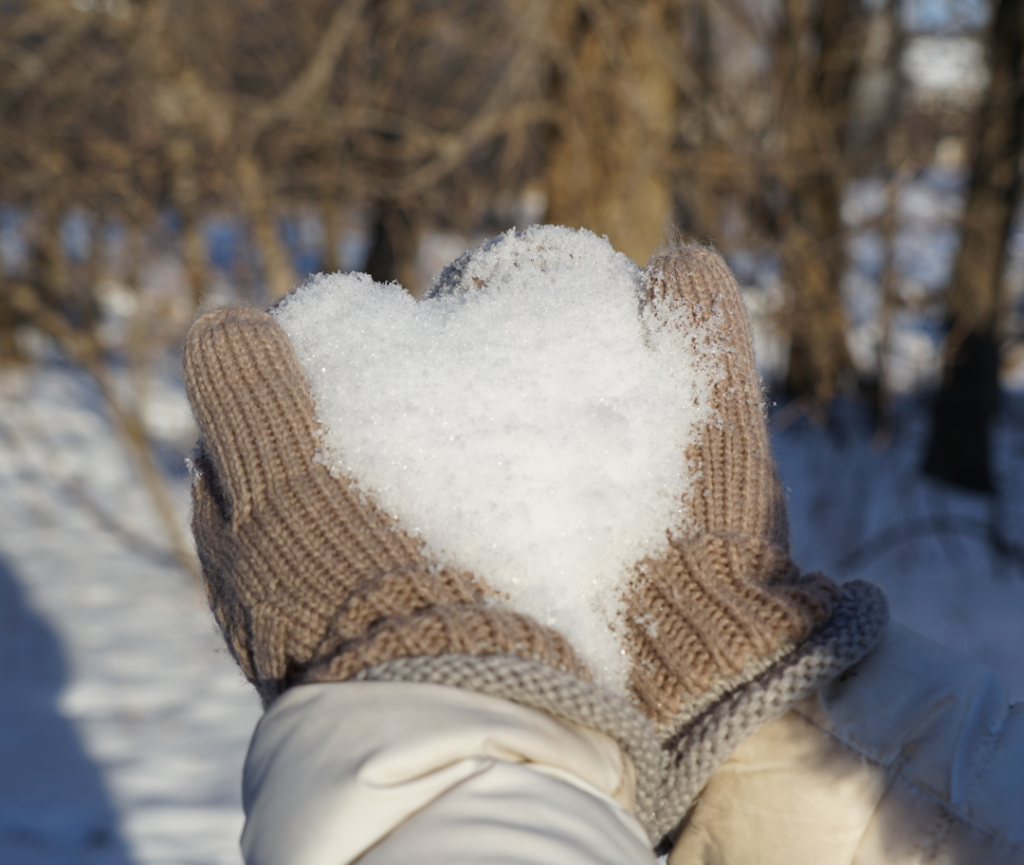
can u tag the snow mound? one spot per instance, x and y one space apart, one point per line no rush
528 419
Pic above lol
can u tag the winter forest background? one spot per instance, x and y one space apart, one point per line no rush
859 162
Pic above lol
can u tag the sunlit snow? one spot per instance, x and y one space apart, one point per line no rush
527 420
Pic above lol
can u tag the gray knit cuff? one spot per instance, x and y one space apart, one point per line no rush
671 769
706 733
566 697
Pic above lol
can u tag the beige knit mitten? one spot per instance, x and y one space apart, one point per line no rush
306 577
310 581
726 599
723 632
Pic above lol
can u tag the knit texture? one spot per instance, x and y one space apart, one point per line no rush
671 769
723 631
726 593
301 569
713 727
310 582
565 697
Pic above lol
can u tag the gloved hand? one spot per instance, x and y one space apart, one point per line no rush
302 571
723 632
310 582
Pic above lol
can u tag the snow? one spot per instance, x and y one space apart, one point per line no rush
124 723
531 431
947 68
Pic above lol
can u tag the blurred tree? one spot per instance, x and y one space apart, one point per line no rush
72 157
732 115
393 242
763 158
614 100
879 146
958 450
820 46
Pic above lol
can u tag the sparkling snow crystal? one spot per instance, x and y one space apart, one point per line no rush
527 420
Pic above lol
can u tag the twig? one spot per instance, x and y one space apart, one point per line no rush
128 425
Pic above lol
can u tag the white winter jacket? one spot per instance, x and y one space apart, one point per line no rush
912 756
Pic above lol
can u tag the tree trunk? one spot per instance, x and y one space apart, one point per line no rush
185 194
278 272
616 108
815 104
958 451
10 352
968 398
393 244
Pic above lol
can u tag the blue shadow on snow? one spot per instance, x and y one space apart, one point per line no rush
54 807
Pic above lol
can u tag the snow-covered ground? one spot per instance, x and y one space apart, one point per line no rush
124 723
860 508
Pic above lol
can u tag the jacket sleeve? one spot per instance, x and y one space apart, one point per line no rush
387 772
913 755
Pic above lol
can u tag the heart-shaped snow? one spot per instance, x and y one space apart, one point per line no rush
528 420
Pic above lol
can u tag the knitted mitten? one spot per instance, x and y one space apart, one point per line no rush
726 595
723 632
306 577
310 582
